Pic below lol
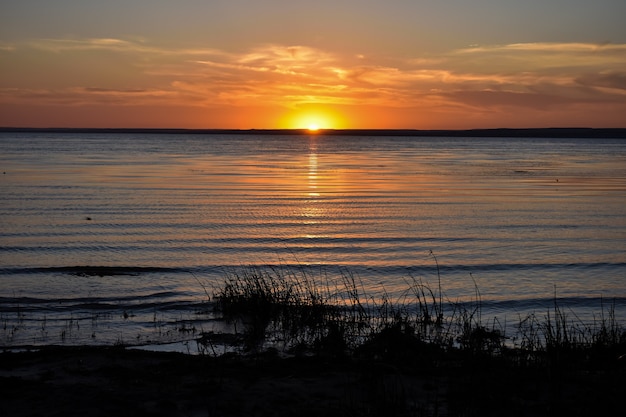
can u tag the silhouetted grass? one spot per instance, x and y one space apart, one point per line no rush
289 310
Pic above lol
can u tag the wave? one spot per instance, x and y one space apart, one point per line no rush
100 271
172 302
161 301
103 271
411 269
35 300
525 304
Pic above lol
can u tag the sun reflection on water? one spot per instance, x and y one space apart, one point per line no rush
311 210
313 178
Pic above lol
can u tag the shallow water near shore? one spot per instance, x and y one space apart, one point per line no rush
118 238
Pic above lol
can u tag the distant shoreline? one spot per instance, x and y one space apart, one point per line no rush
565 132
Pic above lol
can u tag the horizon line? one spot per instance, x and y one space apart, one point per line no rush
553 132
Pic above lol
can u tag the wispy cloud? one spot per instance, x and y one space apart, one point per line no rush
547 47
523 75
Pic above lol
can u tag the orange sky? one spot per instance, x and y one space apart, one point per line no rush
241 70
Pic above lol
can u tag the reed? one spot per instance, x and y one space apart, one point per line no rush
288 302
289 309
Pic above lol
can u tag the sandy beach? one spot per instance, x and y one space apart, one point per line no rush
89 381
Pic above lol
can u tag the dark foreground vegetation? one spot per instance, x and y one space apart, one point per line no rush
307 348
292 312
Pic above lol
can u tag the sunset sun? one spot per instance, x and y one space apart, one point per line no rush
312 122
313 119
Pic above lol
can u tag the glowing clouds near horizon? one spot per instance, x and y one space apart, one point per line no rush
126 83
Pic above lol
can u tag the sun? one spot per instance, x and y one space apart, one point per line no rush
313 120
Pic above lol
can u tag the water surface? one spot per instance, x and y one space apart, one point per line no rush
172 214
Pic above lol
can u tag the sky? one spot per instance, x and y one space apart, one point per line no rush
266 64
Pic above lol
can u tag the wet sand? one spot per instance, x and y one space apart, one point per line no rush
93 381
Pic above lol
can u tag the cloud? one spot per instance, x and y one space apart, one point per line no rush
115 91
501 99
522 75
68 45
551 47
612 80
